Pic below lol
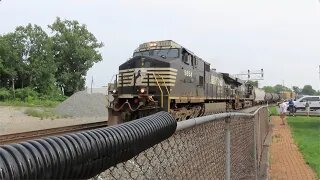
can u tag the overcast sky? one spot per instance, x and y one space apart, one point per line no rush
283 37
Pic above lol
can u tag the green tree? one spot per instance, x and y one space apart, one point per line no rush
280 88
38 66
296 89
308 90
75 51
268 89
253 83
10 53
1 58
2 54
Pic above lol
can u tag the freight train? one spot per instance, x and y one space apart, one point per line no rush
163 75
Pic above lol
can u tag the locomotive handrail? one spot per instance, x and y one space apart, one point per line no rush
159 89
167 91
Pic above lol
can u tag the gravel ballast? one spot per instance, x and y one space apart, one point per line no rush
82 104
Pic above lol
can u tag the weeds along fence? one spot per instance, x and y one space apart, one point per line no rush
222 146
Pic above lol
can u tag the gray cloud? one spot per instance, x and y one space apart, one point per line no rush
280 36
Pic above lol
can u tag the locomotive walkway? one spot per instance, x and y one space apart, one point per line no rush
286 161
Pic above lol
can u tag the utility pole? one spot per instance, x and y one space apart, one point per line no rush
91 84
319 72
319 77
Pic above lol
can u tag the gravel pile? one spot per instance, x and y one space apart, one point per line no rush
82 104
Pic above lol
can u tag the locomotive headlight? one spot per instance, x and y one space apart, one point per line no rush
152 44
142 90
114 91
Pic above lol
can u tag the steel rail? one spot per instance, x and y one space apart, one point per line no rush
22 136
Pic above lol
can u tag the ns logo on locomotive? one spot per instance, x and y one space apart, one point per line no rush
163 75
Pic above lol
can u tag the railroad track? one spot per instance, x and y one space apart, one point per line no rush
249 109
18 137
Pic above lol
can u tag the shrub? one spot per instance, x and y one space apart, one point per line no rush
41 113
26 94
59 98
4 94
54 95
29 97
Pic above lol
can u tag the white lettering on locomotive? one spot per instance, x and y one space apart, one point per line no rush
216 80
188 73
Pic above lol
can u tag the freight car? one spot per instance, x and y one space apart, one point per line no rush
163 75
261 97
287 95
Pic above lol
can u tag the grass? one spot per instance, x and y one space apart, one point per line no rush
306 133
33 103
43 113
273 110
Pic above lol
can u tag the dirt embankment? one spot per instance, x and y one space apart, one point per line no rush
13 120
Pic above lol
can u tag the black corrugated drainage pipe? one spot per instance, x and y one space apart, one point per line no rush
85 154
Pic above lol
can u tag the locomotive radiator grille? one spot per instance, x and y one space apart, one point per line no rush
141 77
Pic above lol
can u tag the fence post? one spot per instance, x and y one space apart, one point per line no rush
228 146
255 146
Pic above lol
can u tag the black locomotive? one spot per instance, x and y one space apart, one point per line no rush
163 75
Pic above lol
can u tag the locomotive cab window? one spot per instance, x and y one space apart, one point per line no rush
207 67
185 58
190 59
201 81
164 53
196 61
193 61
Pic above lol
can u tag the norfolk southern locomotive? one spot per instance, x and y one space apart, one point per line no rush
163 75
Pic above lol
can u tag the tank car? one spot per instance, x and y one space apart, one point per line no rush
275 97
163 75
272 97
259 96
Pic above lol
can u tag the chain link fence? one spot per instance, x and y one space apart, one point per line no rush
263 139
228 146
